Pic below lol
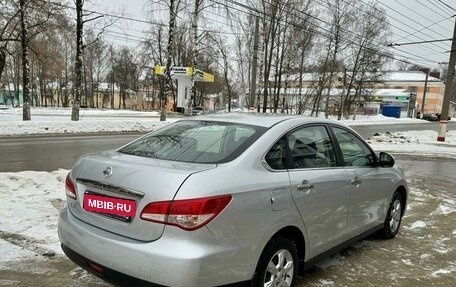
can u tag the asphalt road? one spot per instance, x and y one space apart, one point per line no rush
48 153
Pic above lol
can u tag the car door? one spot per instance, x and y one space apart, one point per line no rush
320 187
369 183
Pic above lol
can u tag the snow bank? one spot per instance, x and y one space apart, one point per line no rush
415 142
58 121
30 204
82 126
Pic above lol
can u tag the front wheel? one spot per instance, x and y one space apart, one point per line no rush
278 264
393 218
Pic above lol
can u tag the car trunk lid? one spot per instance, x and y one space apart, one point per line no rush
109 179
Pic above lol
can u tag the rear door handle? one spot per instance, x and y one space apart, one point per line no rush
305 185
355 181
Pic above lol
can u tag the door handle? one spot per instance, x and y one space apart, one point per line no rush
355 181
305 185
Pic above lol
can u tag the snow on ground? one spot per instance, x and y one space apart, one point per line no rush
58 121
416 142
30 203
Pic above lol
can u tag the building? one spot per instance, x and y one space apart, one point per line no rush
452 111
11 95
404 89
414 82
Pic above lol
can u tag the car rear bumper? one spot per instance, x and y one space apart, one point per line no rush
170 261
105 273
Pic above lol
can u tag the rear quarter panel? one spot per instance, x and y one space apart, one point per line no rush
251 219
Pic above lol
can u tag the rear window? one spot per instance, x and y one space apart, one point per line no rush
196 141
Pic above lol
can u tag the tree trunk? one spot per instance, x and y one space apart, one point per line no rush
2 61
78 62
194 54
26 116
169 81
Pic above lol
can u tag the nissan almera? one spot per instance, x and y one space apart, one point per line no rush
228 199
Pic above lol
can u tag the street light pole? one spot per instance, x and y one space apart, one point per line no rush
448 90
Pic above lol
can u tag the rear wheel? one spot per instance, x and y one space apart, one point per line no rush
393 218
278 264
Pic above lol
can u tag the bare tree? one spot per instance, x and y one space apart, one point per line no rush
366 53
173 8
196 13
222 59
24 21
9 21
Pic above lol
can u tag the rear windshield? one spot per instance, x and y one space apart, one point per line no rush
196 141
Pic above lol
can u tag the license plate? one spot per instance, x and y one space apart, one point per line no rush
109 205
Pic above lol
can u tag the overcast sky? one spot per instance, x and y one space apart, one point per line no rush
411 21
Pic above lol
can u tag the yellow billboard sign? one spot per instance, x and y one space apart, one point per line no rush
200 76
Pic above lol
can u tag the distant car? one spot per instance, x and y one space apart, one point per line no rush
430 117
197 110
439 115
223 199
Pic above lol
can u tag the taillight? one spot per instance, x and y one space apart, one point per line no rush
69 187
188 214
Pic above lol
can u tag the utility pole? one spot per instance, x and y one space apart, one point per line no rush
425 91
252 93
448 90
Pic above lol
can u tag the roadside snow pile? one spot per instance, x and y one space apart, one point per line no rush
82 126
37 111
58 121
415 142
30 204
375 120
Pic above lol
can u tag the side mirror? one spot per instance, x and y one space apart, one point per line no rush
386 160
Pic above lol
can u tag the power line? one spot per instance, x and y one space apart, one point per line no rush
132 19
402 14
439 7
431 8
213 31
389 16
439 21
443 3
419 42
256 12
360 37
421 15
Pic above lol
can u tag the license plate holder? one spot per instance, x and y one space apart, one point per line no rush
113 207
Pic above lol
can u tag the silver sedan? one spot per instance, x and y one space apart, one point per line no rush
228 199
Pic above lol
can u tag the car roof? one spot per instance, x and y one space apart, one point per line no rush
257 119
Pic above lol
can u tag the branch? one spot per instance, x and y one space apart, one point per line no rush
10 40
8 51
42 22
88 14
8 22
94 18
97 38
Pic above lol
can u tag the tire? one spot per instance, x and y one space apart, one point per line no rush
393 218
281 256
